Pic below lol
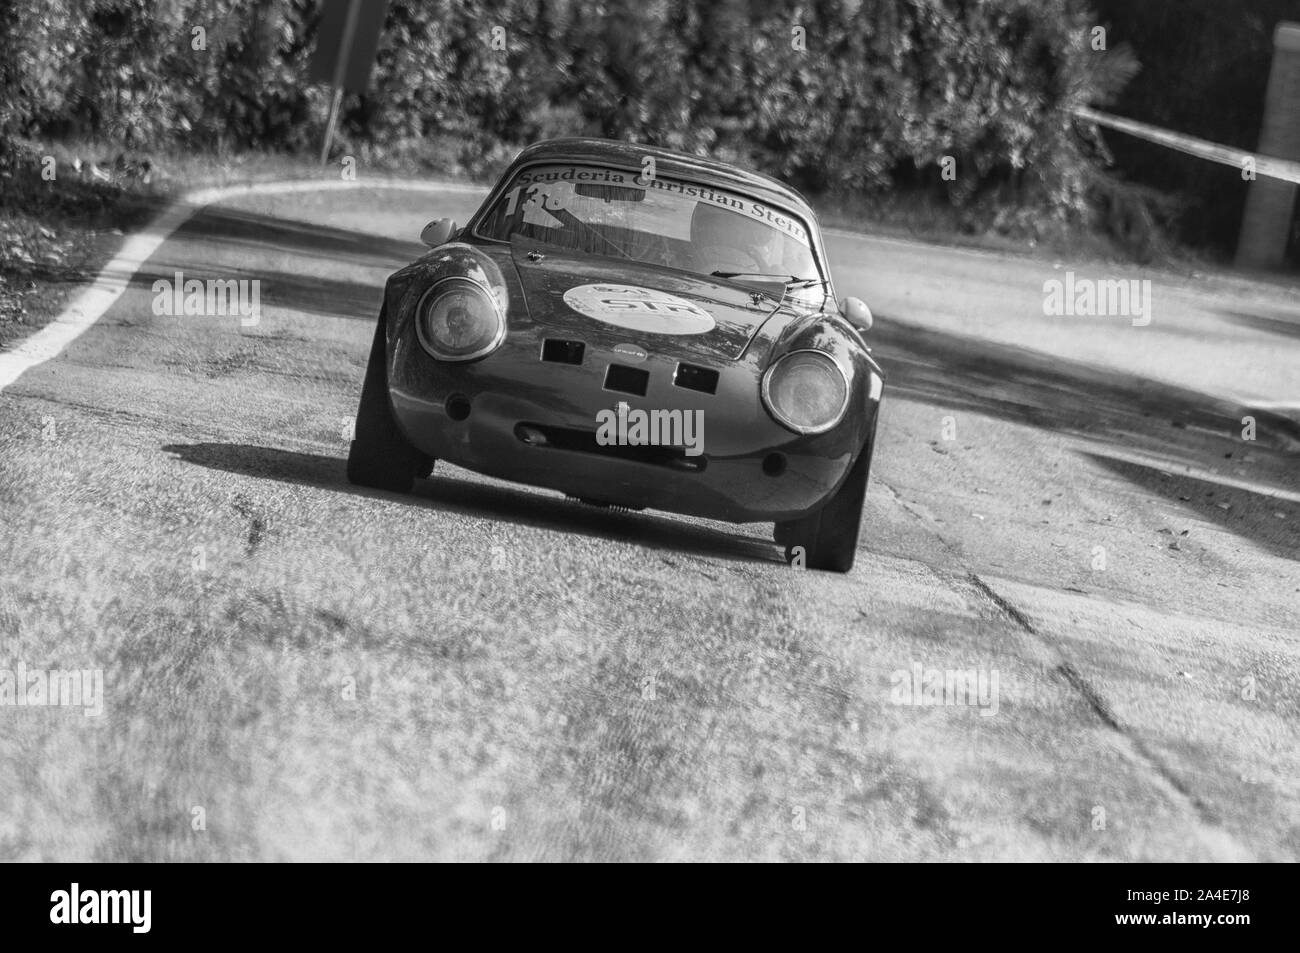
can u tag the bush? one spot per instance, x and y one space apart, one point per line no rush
879 93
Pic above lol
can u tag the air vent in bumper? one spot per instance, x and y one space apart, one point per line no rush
583 441
701 379
627 380
562 352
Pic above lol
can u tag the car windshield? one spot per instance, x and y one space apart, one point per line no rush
659 221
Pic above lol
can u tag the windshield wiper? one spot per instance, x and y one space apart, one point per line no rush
807 282
784 279
790 281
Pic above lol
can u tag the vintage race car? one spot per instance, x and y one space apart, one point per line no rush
634 327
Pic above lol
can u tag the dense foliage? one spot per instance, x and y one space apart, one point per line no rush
835 95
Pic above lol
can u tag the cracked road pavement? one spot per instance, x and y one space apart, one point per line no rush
305 670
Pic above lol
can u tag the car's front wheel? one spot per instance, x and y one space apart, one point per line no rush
380 456
828 538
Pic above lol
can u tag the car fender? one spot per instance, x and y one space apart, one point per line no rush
453 260
830 334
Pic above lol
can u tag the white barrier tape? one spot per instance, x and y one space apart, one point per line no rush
1201 148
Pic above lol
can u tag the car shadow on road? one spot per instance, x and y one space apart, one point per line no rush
1283 324
1046 391
535 508
315 294
1176 431
254 231
253 237
1269 521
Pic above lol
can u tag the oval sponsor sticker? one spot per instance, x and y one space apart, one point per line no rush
630 352
639 309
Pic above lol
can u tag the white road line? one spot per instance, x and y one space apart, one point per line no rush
97 297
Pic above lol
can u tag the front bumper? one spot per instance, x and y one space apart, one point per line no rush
486 416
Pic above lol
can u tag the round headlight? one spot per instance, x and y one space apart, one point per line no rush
457 320
806 391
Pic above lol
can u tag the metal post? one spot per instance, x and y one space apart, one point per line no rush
340 69
1266 224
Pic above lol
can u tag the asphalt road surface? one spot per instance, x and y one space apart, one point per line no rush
295 668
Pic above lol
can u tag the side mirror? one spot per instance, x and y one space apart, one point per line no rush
857 313
438 232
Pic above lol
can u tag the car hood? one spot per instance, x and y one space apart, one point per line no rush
609 302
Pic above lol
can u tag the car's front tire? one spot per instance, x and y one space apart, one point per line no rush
380 456
828 538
